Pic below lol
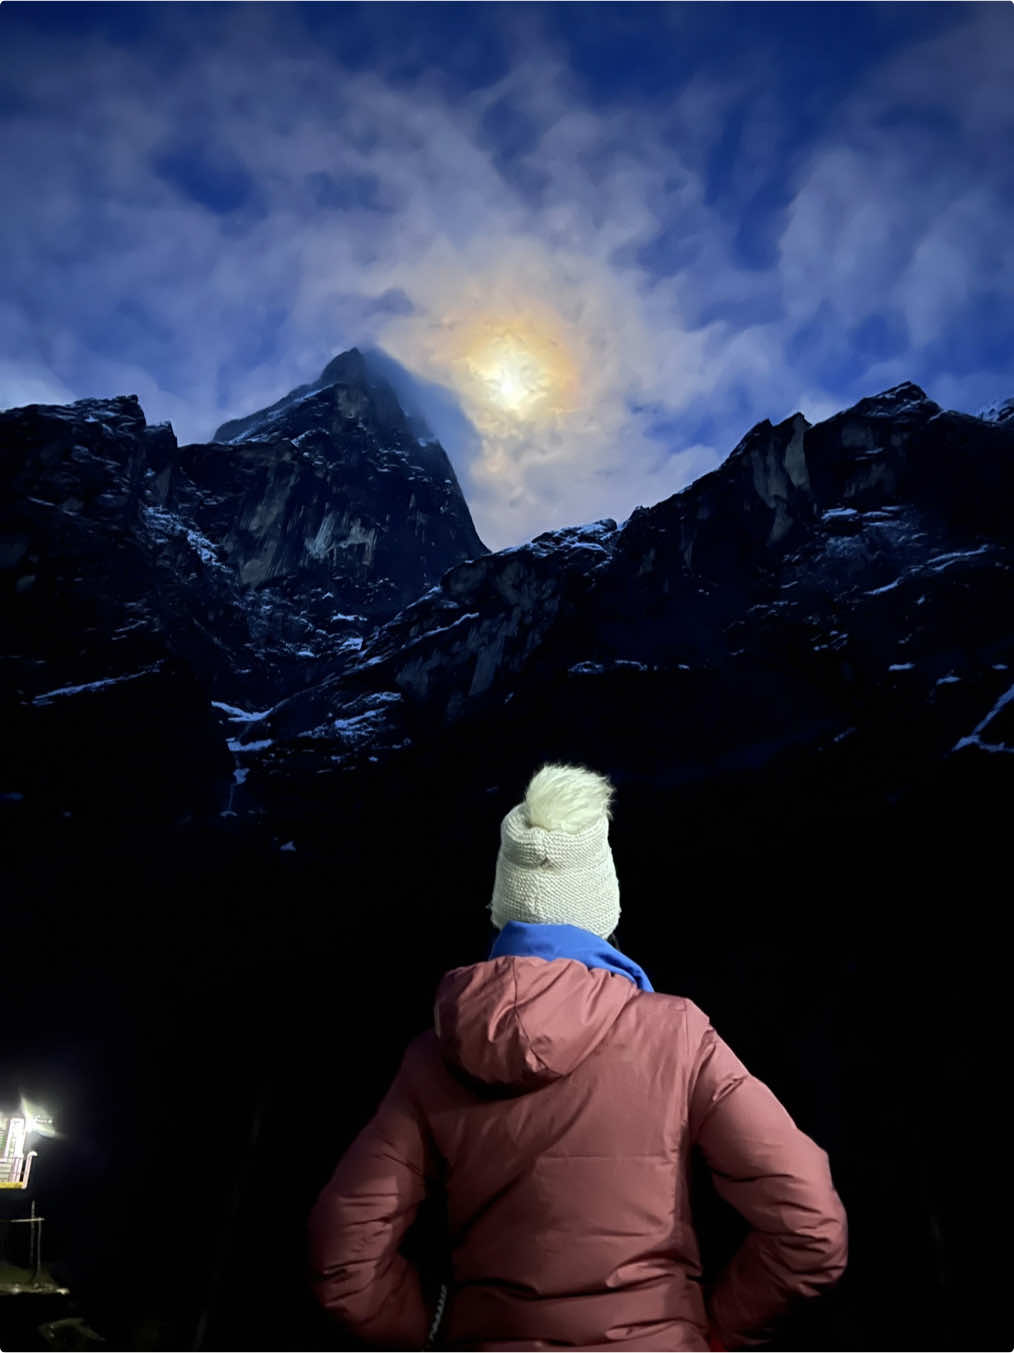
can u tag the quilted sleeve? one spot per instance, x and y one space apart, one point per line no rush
776 1177
360 1219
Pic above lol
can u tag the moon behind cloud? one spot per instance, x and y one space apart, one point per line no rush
517 366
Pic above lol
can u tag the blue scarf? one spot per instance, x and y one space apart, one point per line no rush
567 941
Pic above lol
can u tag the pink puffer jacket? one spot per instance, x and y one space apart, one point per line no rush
556 1106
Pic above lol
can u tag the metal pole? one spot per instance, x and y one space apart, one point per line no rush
36 1245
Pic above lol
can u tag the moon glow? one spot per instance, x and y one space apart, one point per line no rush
518 368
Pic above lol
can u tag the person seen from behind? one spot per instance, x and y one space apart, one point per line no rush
553 1107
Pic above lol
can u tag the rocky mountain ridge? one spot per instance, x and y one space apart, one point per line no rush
143 574
820 578
820 581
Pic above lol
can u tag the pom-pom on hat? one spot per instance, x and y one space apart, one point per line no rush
555 866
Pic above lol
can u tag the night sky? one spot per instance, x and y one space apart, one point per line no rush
605 240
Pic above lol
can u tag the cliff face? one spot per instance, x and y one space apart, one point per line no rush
333 488
143 577
841 592
306 597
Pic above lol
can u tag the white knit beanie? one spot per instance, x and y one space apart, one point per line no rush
555 866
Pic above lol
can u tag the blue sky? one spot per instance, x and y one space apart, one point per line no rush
604 239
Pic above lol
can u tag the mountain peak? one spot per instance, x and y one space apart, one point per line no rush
904 398
348 368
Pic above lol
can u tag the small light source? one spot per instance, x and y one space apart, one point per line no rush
37 1119
15 1130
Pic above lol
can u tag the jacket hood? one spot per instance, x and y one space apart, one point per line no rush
525 1018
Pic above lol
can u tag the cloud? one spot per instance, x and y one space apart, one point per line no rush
205 219
907 205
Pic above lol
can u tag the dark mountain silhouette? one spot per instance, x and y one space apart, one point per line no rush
835 596
144 577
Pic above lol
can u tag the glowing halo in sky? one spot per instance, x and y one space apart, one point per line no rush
516 366
513 376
